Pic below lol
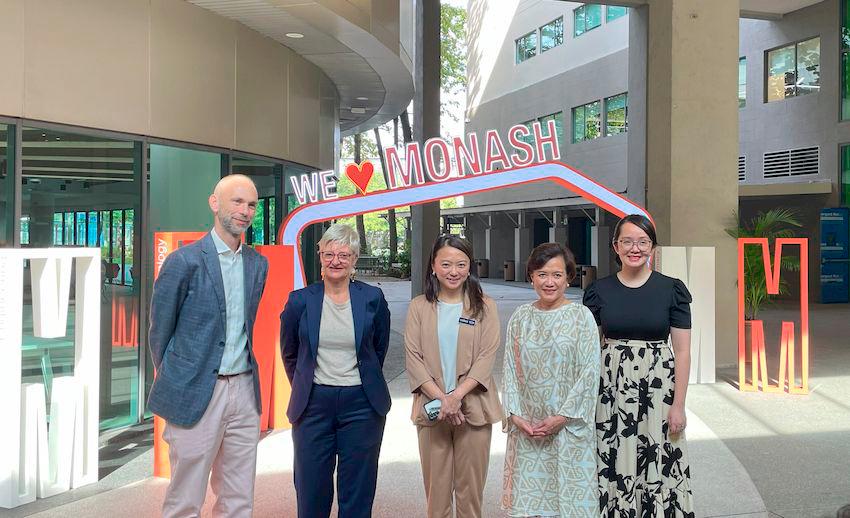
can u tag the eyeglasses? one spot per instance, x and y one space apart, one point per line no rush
328 257
642 244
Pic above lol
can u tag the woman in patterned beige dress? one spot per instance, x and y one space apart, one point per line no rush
551 378
640 419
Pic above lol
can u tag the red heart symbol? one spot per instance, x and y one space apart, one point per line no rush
361 174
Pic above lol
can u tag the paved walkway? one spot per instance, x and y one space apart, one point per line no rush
751 454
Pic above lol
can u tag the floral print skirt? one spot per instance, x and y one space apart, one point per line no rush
643 470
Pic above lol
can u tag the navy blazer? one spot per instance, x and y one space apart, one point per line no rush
299 342
187 328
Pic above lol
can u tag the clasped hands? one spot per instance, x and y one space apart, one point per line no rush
549 426
450 410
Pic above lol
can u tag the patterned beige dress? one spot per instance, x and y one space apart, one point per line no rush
551 368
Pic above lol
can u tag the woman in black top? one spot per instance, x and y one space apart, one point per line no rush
640 416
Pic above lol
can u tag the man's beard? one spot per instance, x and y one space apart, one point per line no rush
231 226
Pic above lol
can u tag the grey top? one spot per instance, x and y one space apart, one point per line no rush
448 325
234 359
336 359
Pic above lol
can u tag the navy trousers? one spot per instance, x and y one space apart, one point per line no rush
338 425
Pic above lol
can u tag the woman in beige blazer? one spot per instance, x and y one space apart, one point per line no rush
451 337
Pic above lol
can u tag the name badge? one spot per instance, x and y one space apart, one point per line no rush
467 321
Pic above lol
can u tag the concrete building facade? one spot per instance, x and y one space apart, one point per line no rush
673 151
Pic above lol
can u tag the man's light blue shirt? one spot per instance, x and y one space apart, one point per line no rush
235 357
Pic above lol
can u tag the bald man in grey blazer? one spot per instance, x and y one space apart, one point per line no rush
201 339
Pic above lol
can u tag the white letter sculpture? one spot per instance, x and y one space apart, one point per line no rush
35 461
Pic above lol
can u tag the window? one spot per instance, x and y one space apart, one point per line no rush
25 230
552 34
586 17
262 229
526 47
793 70
7 185
528 139
845 60
616 109
742 82
615 12
91 189
559 125
587 123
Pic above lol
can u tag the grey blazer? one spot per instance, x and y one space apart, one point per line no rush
187 328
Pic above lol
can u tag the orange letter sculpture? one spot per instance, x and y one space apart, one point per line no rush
787 353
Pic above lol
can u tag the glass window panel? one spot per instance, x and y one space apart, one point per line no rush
257 232
593 120
81 229
117 246
742 82
592 16
105 220
845 24
528 139
552 34
81 175
808 67
272 222
559 125
25 230
130 272
7 186
526 47
578 124
616 108
615 12
578 21
68 237
92 229
291 202
781 72
268 178
845 86
58 221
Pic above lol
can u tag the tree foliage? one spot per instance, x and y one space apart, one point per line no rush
452 57
773 224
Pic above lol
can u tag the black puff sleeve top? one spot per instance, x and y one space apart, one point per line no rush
644 313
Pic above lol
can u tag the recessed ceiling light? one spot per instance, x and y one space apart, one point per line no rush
362 98
294 35
358 111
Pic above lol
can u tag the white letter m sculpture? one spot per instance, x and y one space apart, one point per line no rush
35 461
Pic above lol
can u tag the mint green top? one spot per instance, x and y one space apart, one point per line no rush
448 325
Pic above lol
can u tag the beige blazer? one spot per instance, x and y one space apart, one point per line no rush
476 351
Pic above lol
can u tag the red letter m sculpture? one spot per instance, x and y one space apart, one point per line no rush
787 356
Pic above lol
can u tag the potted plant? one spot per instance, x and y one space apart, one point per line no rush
773 224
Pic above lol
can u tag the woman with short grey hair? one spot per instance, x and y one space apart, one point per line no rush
343 235
334 336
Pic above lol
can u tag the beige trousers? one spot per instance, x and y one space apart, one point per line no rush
224 440
454 463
